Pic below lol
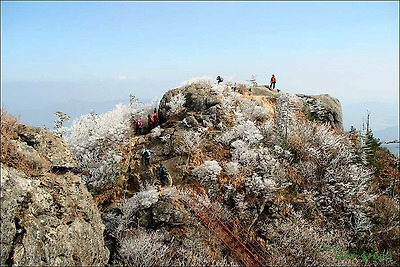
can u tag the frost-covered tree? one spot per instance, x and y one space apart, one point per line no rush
144 248
282 117
208 171
190 141
232 168
59 127
260 185
242 153
299 242
204 80
207 174
251 109
244 130
339 183
96 140
253 80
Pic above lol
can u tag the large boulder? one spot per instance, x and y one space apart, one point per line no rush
323 108
198 98
49 220
169 212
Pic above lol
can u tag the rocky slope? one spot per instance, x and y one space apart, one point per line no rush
257 177
279 164
47 215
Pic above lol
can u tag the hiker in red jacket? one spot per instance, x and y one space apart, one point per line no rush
138 126
273 81
155 118
150 121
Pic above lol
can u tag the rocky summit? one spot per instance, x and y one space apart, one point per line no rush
255 177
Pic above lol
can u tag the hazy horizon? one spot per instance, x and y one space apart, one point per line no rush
75 55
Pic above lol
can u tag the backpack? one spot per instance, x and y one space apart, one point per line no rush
163 171
146 153
138 124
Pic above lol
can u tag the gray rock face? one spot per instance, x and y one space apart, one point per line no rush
169 213
324 108
198 98
46 145
49 220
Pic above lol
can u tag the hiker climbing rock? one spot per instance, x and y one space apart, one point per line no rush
138 126
219 79
150 121
273 81
155 118
163 175
146 153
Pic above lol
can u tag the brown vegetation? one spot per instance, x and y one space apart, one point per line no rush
30 162
108 198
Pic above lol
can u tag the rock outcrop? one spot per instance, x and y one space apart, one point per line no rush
45 145
324 108
48 217
201 104
200 98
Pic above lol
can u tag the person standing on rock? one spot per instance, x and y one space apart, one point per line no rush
146 156
163 175
150 121
273 81
155 118
138 126
219 79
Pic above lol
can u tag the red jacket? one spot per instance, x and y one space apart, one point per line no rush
138 123
273 79
155 117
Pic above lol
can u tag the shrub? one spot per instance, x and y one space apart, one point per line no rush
16 154
301 243
244 130
190 141
232 168
208 171
60 129
9 151
259 185
144 248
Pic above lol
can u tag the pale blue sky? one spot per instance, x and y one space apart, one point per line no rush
55 53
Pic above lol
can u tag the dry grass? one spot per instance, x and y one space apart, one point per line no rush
294 177
109 197
389 175
30 163
9 151
196 159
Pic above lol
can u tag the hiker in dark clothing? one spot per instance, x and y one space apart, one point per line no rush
163 175
273 81
219 79
150 121
146 153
